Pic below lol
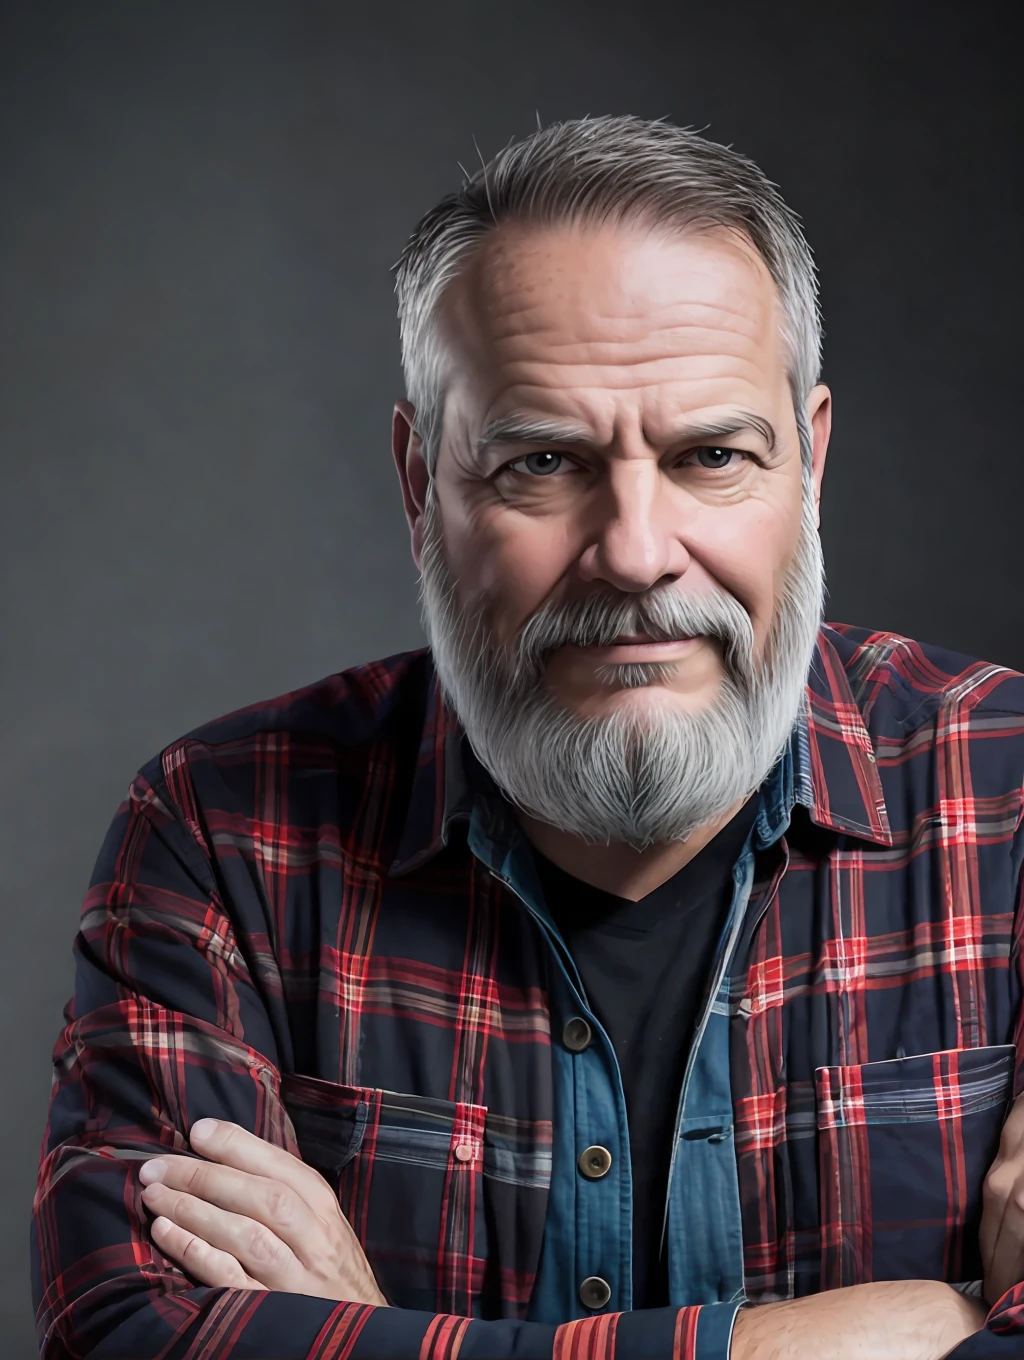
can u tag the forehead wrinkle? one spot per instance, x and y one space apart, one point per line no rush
511 300
528 342
536 256
649 340
544 319
575 379
495 325
571 369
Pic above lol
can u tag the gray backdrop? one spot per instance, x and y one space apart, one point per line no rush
199 205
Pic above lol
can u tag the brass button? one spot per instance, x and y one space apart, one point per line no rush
595 1162
595 1292
577 1034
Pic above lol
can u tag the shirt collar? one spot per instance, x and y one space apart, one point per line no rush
440 790
835 769
829 767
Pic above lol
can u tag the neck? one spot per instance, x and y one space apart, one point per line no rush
618 868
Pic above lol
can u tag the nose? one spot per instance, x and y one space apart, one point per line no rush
636 545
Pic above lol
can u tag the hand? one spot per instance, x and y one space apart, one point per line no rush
1002 1220
252 1216
886 1320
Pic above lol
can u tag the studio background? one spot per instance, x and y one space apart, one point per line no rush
199 206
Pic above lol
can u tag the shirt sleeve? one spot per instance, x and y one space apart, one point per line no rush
171 1021
1003 1333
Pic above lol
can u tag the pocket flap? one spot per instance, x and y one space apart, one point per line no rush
329 1120
926 1086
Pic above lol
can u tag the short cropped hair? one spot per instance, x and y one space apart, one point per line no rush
593 170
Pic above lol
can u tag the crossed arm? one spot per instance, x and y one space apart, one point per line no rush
169 1026
248 1215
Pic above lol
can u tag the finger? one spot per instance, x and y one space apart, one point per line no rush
262 1254
230 1144
269 1202
1011 1139
995 1195
203 1262
1007 1263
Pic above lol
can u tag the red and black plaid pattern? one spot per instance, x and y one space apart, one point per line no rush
286 928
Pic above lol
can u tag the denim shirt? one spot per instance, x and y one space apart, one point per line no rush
588 1231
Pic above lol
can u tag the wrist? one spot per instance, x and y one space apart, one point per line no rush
922 1319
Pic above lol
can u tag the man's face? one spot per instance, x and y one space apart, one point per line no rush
667 452
621 571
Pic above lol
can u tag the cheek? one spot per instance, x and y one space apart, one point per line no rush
505 563
750 555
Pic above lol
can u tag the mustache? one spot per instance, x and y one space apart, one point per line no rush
663 615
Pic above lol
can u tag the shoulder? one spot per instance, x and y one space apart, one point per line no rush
897 679
336 721
924 703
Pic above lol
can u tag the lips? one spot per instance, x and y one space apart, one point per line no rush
644 640
629 648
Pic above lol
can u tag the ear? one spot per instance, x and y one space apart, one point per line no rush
819 417
413 475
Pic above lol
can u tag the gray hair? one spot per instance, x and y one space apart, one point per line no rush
607 169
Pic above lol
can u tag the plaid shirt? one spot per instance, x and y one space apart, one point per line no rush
287 928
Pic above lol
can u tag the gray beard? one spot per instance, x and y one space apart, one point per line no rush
647 773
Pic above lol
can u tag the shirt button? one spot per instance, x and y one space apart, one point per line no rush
577 1034
595 1292
595 1162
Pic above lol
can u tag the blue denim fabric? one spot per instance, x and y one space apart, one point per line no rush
588 1230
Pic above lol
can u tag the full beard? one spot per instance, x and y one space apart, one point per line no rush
645 773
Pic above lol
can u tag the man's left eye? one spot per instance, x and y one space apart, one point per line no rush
714 458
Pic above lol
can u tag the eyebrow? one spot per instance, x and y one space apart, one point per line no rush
520 428
721 429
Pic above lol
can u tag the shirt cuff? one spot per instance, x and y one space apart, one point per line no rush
715 1323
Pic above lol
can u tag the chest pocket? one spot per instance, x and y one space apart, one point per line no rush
447 1200
904 1147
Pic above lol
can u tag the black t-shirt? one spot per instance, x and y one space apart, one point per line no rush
646 970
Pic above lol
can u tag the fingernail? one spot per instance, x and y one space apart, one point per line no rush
160 1225
152 1171
203 1128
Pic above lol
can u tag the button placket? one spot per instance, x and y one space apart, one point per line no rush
603 1240
592 1227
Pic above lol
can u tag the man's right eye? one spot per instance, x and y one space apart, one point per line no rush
541 464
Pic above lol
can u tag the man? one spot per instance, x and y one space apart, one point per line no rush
638 971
